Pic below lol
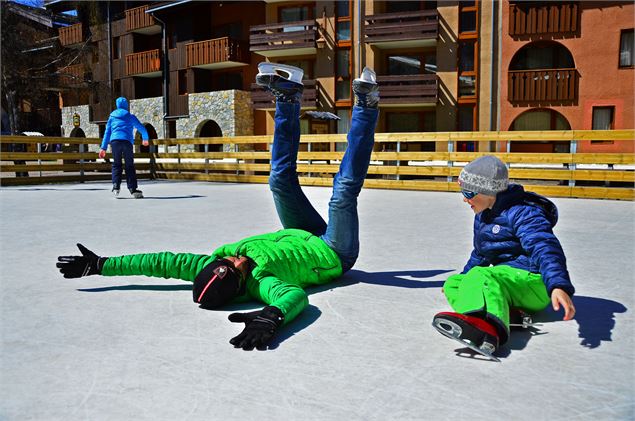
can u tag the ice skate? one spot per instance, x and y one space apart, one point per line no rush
284 88
472 332
518 318
115 191
366 89
321 115
137 194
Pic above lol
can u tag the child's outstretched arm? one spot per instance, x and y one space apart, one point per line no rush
183 266
560 298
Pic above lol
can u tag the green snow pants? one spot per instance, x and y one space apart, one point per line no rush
494 290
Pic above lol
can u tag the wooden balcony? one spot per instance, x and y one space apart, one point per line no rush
71 35
284 39
72 75
409 90
546 18
402 30
144 64
552 85
263 100
137 20
219 53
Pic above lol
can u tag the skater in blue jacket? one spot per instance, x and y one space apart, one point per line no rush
119 134
517 264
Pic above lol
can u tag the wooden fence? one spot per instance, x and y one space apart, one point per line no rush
393 164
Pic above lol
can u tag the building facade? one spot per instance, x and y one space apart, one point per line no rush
188 67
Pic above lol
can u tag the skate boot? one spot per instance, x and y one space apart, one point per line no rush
473 332
115 191
366 89
136 193
284 89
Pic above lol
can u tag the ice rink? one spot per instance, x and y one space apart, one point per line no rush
138 348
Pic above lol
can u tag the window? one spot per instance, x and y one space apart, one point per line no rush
603 118
467 68
343 31
626 48
343 75
116 48
305 65
466 118
411 64
468 16
182 82
343 53
294 14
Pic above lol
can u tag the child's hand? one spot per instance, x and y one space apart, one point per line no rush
559 297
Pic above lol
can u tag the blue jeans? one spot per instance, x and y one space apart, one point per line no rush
294 209
123 148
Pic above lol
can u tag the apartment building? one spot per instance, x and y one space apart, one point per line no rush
188 67
567 66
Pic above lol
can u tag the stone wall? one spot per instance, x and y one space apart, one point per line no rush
231 110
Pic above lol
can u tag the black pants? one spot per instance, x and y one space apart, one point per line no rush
123 148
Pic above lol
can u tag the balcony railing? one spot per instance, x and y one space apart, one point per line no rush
263 100
143 63
72 75
216 53
137 20
552 85
408 89
547 18
71 35
280 39
401 27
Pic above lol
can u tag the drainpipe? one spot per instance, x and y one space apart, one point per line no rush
359 37
165 69
109 29
493 116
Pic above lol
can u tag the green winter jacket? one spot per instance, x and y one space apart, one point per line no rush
284 263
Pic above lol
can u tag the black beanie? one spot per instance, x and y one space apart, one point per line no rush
216 284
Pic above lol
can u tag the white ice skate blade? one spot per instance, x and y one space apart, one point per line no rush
293 73
368 75
465 343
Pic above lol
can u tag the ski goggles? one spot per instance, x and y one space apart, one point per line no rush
468 194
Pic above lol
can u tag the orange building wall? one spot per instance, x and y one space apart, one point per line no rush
596 54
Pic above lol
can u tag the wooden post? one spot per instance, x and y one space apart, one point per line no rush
206 159
573 150
450 162
81 163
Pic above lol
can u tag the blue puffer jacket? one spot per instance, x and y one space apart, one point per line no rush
517 232
121 124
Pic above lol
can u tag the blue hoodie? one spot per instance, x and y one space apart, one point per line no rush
121 124
517 232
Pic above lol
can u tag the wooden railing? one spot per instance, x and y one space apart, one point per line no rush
551 85
401 26
263 100
408 89
546 18
280 36
72 75
70 35
137 18
144 62
586 175
217 50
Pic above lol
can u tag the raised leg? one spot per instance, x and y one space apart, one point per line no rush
293 207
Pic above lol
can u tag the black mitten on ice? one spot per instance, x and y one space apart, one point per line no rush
77 266
260 326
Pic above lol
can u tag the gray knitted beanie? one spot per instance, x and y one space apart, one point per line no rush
487 175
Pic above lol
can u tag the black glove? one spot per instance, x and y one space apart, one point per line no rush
260 326
77 266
